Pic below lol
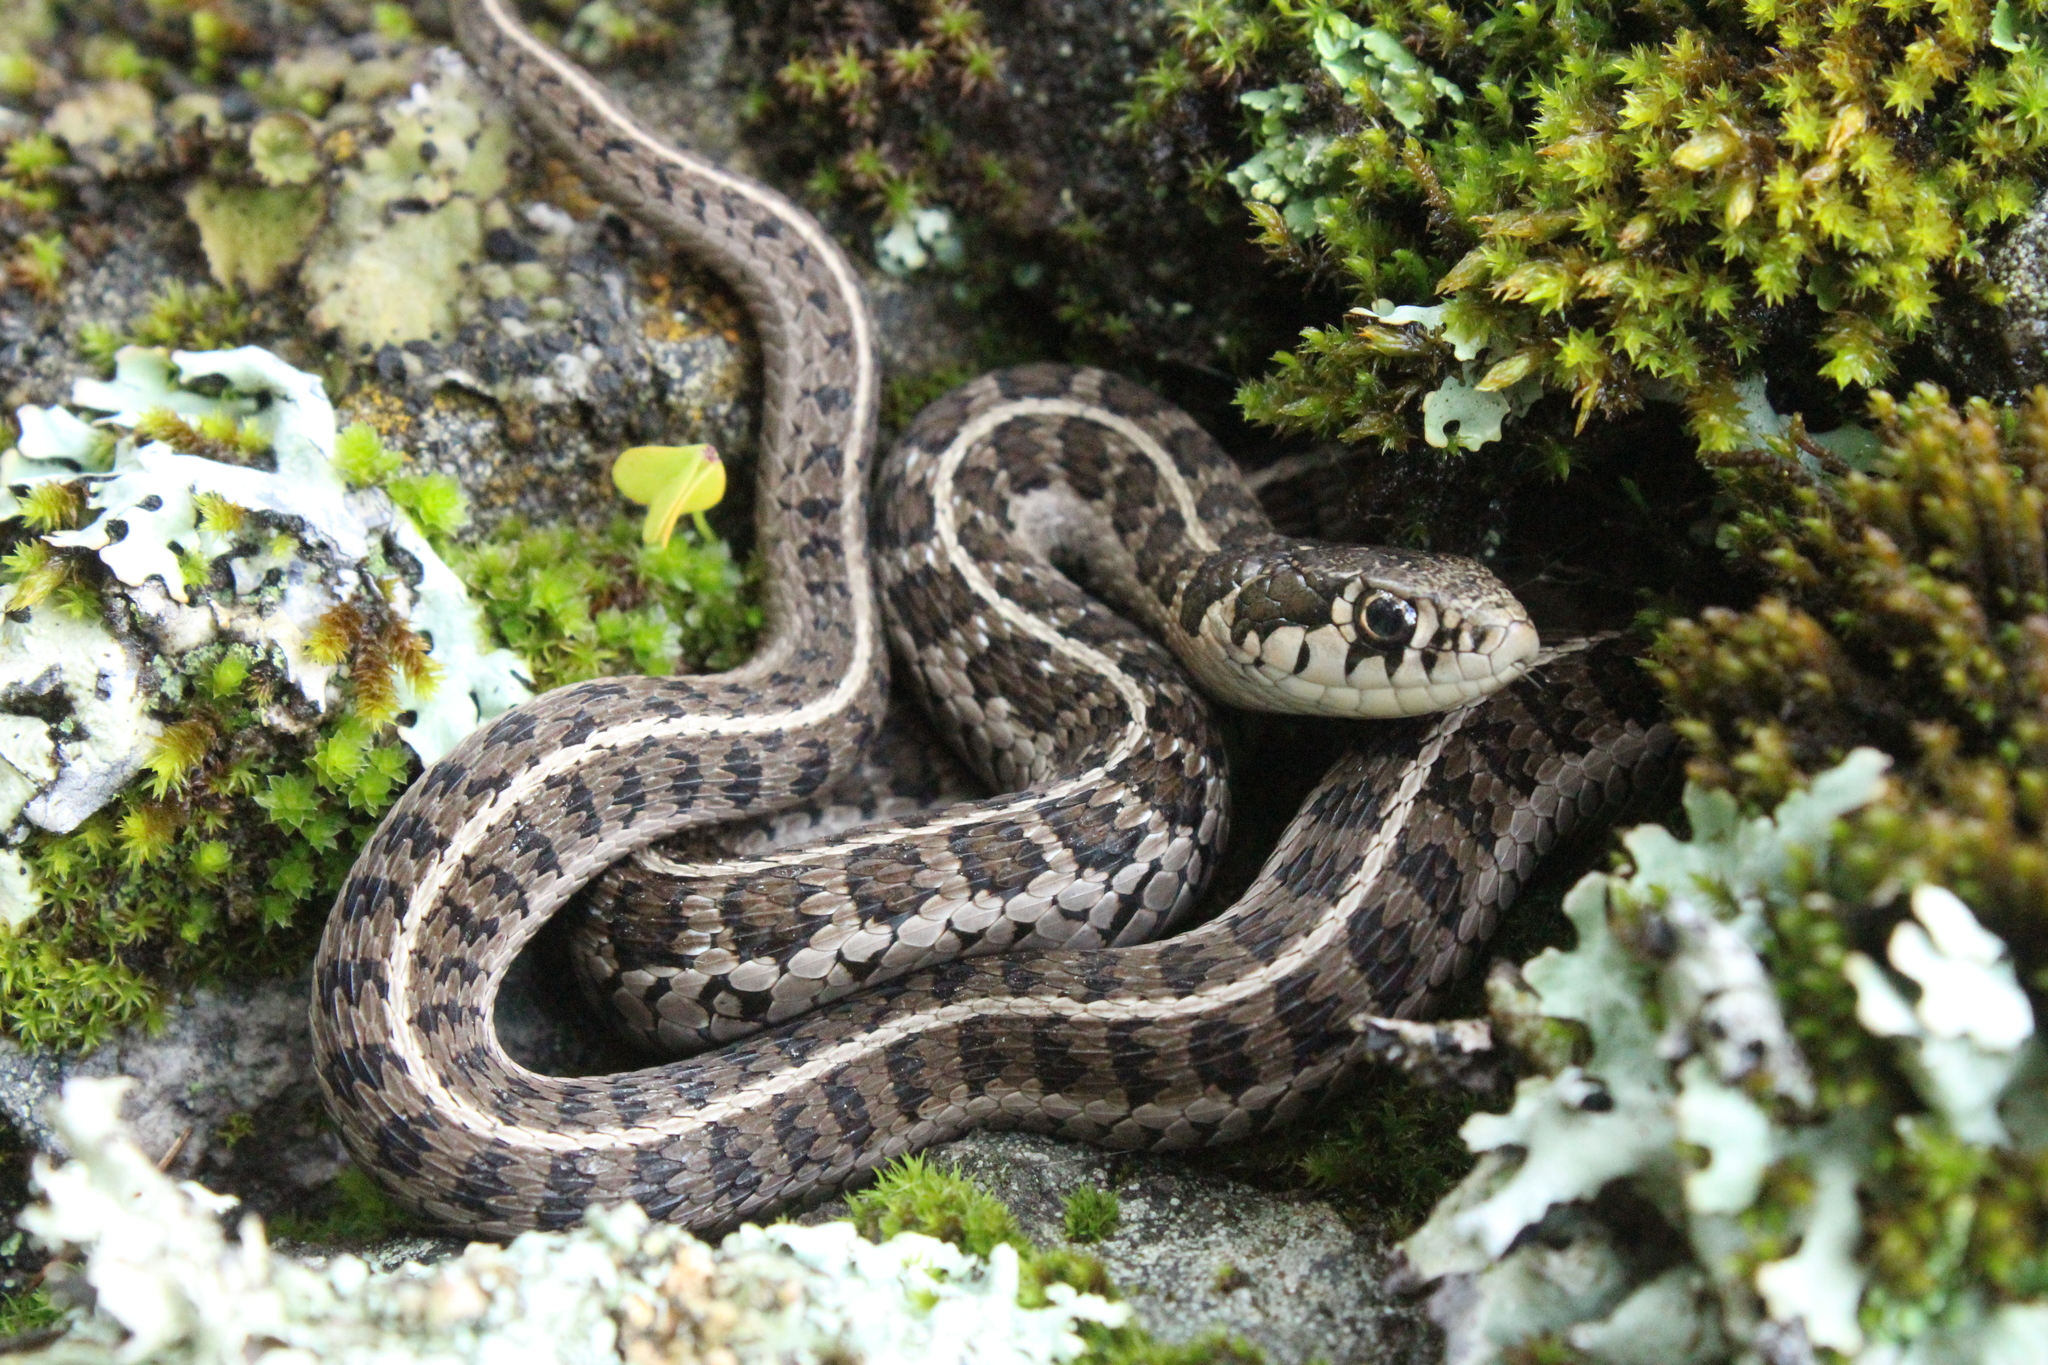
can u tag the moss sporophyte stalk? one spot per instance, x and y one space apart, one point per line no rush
225 695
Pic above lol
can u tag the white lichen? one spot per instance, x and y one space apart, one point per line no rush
1692 1115
159 1277
1964 1038
922 236
322 544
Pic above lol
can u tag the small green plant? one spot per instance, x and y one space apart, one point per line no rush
576 606
362 457
38 263
182 318
234 1128
215 437
913 1195
1091 1214
27 1313
434 501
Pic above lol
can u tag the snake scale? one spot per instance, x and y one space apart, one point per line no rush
1380 892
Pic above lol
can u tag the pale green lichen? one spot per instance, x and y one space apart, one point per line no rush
252 235
381 277
106 124
1787 1181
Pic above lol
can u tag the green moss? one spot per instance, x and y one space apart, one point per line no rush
578 606
972 147
1383 1149
915 1195
1091 1214
27 1313
1907 607
220 861
1614 201
352 1211
362 457
906 395
434 501
182 318
38 262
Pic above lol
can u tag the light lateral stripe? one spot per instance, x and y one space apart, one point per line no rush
427 893
1303 952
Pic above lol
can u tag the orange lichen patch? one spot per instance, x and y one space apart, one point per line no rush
383 410
683 306
562 187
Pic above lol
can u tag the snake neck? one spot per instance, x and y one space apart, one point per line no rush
808 308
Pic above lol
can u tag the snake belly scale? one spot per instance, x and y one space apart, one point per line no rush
1380 891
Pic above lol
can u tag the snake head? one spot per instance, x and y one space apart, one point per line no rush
1350 630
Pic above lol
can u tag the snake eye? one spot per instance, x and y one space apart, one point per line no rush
1388 618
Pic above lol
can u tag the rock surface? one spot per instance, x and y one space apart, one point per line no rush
1197 1254
224 1092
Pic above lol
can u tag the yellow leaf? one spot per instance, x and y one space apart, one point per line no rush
670 481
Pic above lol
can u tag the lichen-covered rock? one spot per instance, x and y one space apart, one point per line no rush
1721 1168
1197 1255
163 571
185 782
157 1276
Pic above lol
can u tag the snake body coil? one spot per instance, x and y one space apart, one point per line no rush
1382 889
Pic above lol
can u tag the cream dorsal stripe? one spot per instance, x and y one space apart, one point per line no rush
1378 896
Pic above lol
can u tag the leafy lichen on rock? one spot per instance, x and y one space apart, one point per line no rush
1907 607
382 276
238 667
1702 1181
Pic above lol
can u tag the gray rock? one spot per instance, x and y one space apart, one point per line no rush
2002 352
223 1092
1196 1254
